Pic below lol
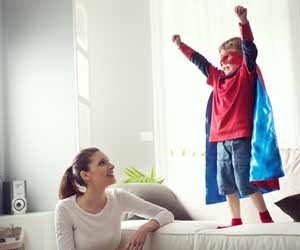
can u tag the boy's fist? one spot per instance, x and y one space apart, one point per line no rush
241 12
176 39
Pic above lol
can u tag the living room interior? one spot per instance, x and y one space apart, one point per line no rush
81 73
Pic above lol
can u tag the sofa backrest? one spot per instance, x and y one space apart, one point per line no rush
289 185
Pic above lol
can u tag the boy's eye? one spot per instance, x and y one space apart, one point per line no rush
224 58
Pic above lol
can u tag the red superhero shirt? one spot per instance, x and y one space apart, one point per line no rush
234 94
233 103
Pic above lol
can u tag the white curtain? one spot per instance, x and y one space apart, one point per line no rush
180 92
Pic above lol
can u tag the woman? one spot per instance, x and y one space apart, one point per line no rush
88 216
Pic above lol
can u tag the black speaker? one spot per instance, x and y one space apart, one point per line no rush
14 197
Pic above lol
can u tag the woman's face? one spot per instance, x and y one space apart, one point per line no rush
101 171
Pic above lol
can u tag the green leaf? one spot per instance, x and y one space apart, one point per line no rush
129 172
152 173
127 180
139 172
133 172
161 181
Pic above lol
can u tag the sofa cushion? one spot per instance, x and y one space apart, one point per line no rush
291 206
179 235
157 194
272 236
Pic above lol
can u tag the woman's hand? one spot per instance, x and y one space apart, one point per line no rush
138 239
241 12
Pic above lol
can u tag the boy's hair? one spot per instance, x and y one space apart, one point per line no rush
234 43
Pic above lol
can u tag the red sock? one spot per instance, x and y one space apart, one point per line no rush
265 217
234 222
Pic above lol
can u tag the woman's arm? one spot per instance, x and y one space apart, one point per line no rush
132 203
63 229
158 217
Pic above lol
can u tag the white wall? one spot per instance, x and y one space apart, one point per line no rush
121 80
1 109
40 94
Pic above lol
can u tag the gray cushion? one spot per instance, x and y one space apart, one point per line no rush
157 194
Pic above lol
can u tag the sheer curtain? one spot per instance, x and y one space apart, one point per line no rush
180 92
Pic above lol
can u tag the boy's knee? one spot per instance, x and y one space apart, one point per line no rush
246 188
225 189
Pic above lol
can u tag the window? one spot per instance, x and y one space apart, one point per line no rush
82 75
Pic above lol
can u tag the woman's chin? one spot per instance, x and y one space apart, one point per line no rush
112 179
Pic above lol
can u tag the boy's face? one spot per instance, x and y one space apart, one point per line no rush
230 60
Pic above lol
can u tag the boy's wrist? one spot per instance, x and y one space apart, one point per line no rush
186 50
246 32
244 21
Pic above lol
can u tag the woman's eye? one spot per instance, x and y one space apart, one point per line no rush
101 163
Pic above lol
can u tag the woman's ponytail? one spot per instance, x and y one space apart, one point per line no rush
67 185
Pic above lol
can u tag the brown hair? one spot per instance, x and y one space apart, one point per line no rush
234 43
71 180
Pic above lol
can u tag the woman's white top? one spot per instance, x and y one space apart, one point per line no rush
80 230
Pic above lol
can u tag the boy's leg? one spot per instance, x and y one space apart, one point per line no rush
226 181
241 165
233 201
234 205
259 202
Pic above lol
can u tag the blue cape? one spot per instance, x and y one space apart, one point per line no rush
265 165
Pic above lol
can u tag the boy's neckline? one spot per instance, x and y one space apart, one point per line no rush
231 74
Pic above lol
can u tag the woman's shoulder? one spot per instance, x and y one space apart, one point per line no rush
117 194
66 203
114 192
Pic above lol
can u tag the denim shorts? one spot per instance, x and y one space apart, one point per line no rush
233 165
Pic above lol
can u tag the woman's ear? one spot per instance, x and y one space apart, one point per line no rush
84 175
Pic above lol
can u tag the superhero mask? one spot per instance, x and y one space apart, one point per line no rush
231 57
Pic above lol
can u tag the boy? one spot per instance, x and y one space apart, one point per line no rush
232 115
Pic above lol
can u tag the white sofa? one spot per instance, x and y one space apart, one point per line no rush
180 235
198 234
203 235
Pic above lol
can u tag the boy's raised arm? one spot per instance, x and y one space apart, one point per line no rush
196 58
248 46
